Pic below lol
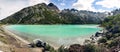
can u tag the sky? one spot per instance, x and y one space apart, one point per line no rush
9 7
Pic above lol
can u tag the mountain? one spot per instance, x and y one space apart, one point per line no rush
82 17
37 14
112 23
116 11
50 14
53 7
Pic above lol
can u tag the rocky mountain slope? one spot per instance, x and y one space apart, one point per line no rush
82 17
116 11
50 14
38 14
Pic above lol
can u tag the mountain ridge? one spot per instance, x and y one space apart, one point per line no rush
50 14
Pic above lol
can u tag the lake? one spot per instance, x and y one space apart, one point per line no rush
55 34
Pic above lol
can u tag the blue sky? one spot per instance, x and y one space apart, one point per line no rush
8 7
64 4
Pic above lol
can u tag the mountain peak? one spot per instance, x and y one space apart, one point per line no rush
42 3
53 7
51 4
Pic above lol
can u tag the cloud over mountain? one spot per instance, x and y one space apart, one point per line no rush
33 2
9 7
109 3
84 5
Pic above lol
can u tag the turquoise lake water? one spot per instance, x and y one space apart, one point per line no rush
56 33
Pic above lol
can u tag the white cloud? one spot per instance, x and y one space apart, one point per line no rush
109 3
9 7
88 5
62 4
61 0
101 10
84 5
33 2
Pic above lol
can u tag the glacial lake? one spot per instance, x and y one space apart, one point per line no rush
55 34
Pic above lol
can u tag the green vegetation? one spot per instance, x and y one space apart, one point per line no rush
112 25
49 48
89 48
102 40
112 22
80 48
115 42
62 49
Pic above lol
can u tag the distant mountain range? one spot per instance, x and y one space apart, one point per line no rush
50 14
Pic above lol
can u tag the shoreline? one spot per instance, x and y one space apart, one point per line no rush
19 38
14 35
78 40
12 43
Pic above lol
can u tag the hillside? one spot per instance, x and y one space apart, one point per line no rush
82 17
38 14
116 11
50 14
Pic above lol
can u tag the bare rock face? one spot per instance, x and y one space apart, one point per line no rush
53 7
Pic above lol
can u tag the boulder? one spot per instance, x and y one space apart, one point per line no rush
97 34
39 43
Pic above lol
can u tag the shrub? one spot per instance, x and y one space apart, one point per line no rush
114 42
76 48
62 49
102 40
101 48
49 48
89 48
